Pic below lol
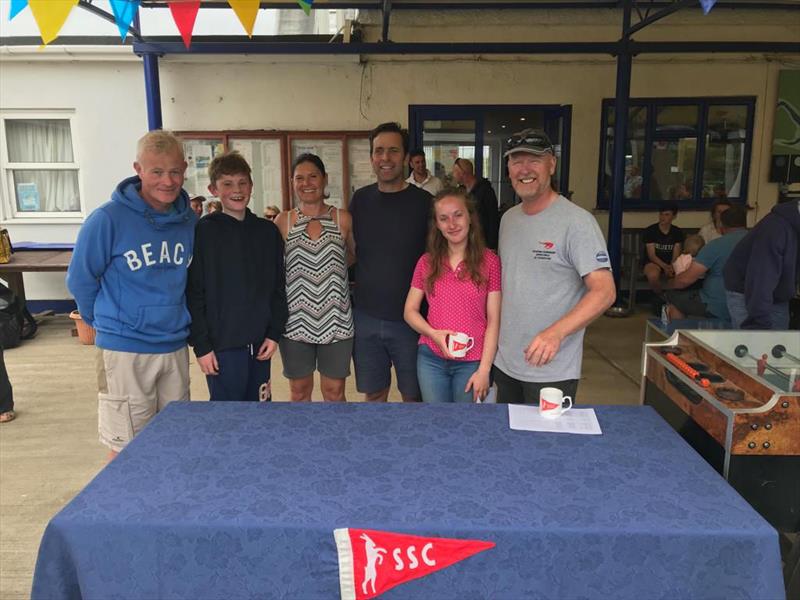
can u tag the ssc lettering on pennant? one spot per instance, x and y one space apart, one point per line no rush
372 562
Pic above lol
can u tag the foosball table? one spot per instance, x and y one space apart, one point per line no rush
734 396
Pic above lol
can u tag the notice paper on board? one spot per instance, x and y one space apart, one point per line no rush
576 420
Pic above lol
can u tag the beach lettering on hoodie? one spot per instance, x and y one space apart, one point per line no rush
173 256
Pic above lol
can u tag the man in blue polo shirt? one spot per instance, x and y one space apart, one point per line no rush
710 300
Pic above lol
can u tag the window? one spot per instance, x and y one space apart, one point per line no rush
478 133
40 167
270 155
682 150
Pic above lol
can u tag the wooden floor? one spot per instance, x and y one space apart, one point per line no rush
50 452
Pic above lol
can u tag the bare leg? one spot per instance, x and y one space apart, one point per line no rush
674 313
300 389
381 396
332 389
653 273
112 454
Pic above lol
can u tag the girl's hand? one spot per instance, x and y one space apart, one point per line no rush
440 337
479 382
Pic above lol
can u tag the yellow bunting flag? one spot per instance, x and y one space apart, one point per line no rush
246 10
50 16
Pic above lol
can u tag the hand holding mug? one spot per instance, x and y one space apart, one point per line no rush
440 337
458 344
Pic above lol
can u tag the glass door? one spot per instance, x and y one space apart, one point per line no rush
479 133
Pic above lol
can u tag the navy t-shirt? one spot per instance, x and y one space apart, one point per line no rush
390 231
664 242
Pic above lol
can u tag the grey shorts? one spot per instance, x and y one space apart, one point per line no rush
301 359
688 302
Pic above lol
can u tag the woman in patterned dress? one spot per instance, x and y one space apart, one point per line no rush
460 278
319 248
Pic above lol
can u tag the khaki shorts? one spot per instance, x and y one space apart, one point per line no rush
133 388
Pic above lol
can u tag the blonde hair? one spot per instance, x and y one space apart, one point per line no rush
158 141
693 244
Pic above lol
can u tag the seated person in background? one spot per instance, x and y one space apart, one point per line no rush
213 206
662 243
197 205
682 191
710 299
691 247
271 212
713 229
633 183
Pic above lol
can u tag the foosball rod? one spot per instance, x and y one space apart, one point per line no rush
779 351
741 351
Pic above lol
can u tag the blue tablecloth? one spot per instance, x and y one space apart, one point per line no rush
240 500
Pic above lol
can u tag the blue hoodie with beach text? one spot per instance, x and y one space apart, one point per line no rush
128 272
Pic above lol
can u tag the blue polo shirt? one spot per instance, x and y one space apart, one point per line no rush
713 257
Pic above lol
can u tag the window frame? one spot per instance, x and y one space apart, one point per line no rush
9 214
286 137
697 202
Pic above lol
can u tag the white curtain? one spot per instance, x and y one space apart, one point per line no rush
44 141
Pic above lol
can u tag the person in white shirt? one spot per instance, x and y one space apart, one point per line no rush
420 176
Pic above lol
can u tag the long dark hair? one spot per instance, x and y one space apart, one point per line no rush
437 244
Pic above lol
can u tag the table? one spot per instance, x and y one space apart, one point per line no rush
32 261
240 500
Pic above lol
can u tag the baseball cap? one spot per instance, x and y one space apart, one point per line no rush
532 141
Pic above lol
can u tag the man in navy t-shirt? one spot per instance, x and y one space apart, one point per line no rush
390 226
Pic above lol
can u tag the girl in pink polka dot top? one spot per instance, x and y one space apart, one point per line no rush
460 279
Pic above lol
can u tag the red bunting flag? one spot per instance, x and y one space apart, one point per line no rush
184 13
372 562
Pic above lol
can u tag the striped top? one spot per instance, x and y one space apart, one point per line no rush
317 288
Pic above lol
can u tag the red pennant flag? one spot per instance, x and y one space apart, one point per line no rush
371 562
184 13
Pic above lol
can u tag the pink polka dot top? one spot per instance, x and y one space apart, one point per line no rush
457 304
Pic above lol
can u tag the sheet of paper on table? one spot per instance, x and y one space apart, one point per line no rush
576 420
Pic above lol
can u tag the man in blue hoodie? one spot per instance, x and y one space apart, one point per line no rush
128 276
762 273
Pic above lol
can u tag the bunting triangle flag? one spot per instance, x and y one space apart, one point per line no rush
707 5
124 10
246 10
372 562
50 16
16 7
184 13
306 5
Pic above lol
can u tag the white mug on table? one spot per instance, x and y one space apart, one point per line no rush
551 402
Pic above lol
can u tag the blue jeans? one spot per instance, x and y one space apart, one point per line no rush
779 314
443 380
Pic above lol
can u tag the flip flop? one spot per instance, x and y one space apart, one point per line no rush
7 417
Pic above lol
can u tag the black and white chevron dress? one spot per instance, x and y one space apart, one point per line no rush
317 288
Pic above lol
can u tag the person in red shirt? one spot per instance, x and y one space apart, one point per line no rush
460 279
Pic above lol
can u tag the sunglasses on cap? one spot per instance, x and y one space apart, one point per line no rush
535 142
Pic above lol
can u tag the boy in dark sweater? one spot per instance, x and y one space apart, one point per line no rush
236 291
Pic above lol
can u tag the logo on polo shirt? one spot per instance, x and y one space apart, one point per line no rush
601 257
372 562
546 251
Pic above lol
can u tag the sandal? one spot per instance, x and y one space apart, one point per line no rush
7 417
